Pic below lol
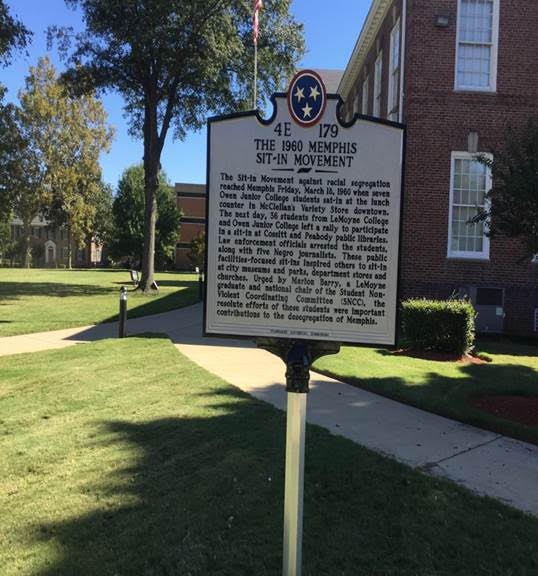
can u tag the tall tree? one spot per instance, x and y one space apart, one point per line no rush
174 61
103 227
13 36
5 236
10 144
25 181
128 212
512 207
68 134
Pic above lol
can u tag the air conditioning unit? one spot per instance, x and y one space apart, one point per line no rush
489 305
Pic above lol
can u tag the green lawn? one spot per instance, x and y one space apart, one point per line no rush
123 458
45 299
445 388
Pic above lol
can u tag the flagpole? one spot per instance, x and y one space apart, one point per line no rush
255 90
258 5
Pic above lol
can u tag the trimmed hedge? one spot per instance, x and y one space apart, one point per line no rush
439 325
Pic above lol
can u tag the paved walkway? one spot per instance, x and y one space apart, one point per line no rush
484 462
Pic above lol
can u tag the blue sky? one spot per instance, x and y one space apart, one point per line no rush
331 29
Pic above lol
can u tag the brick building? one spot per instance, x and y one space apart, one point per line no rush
50 246
456 72
191 200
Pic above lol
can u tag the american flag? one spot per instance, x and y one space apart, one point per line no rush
258 5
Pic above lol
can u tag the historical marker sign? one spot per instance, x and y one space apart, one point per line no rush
303 221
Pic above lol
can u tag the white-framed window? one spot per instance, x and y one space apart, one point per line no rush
364 104
477 45
470 180
378 88
394 73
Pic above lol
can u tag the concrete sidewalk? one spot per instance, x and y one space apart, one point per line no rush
484 462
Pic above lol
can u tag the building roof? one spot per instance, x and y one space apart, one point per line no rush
186 188
331 79
37 221
376 15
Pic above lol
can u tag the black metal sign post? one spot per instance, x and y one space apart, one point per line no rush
122 323
298 356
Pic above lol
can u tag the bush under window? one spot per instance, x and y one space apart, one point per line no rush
439 325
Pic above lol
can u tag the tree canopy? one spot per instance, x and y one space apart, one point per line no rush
174 62
66 134
25 175
13 36
197 252
512 208
128 215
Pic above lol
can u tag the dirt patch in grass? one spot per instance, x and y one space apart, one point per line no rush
522 409
440 356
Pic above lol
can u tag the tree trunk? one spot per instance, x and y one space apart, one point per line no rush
27 227
152 158
69 255
151 182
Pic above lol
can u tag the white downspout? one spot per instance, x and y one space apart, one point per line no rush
402 56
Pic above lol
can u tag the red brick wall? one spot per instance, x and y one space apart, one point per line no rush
191 200
439 120
192 207
189 231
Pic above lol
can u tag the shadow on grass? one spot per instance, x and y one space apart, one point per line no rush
93 270
512 346
204 496
178 283
179 299
182 327
452 396
16 290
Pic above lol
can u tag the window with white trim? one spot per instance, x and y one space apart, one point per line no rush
477 45
377 84
394 73
364 107
469 182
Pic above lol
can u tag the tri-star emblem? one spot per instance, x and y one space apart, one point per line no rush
306 98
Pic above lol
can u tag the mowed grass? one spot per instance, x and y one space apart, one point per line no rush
43 299
446 388
124 458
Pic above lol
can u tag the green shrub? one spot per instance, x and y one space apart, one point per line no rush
439 325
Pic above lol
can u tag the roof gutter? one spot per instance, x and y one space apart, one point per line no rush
375 18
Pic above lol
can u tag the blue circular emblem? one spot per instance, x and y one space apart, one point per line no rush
307 98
